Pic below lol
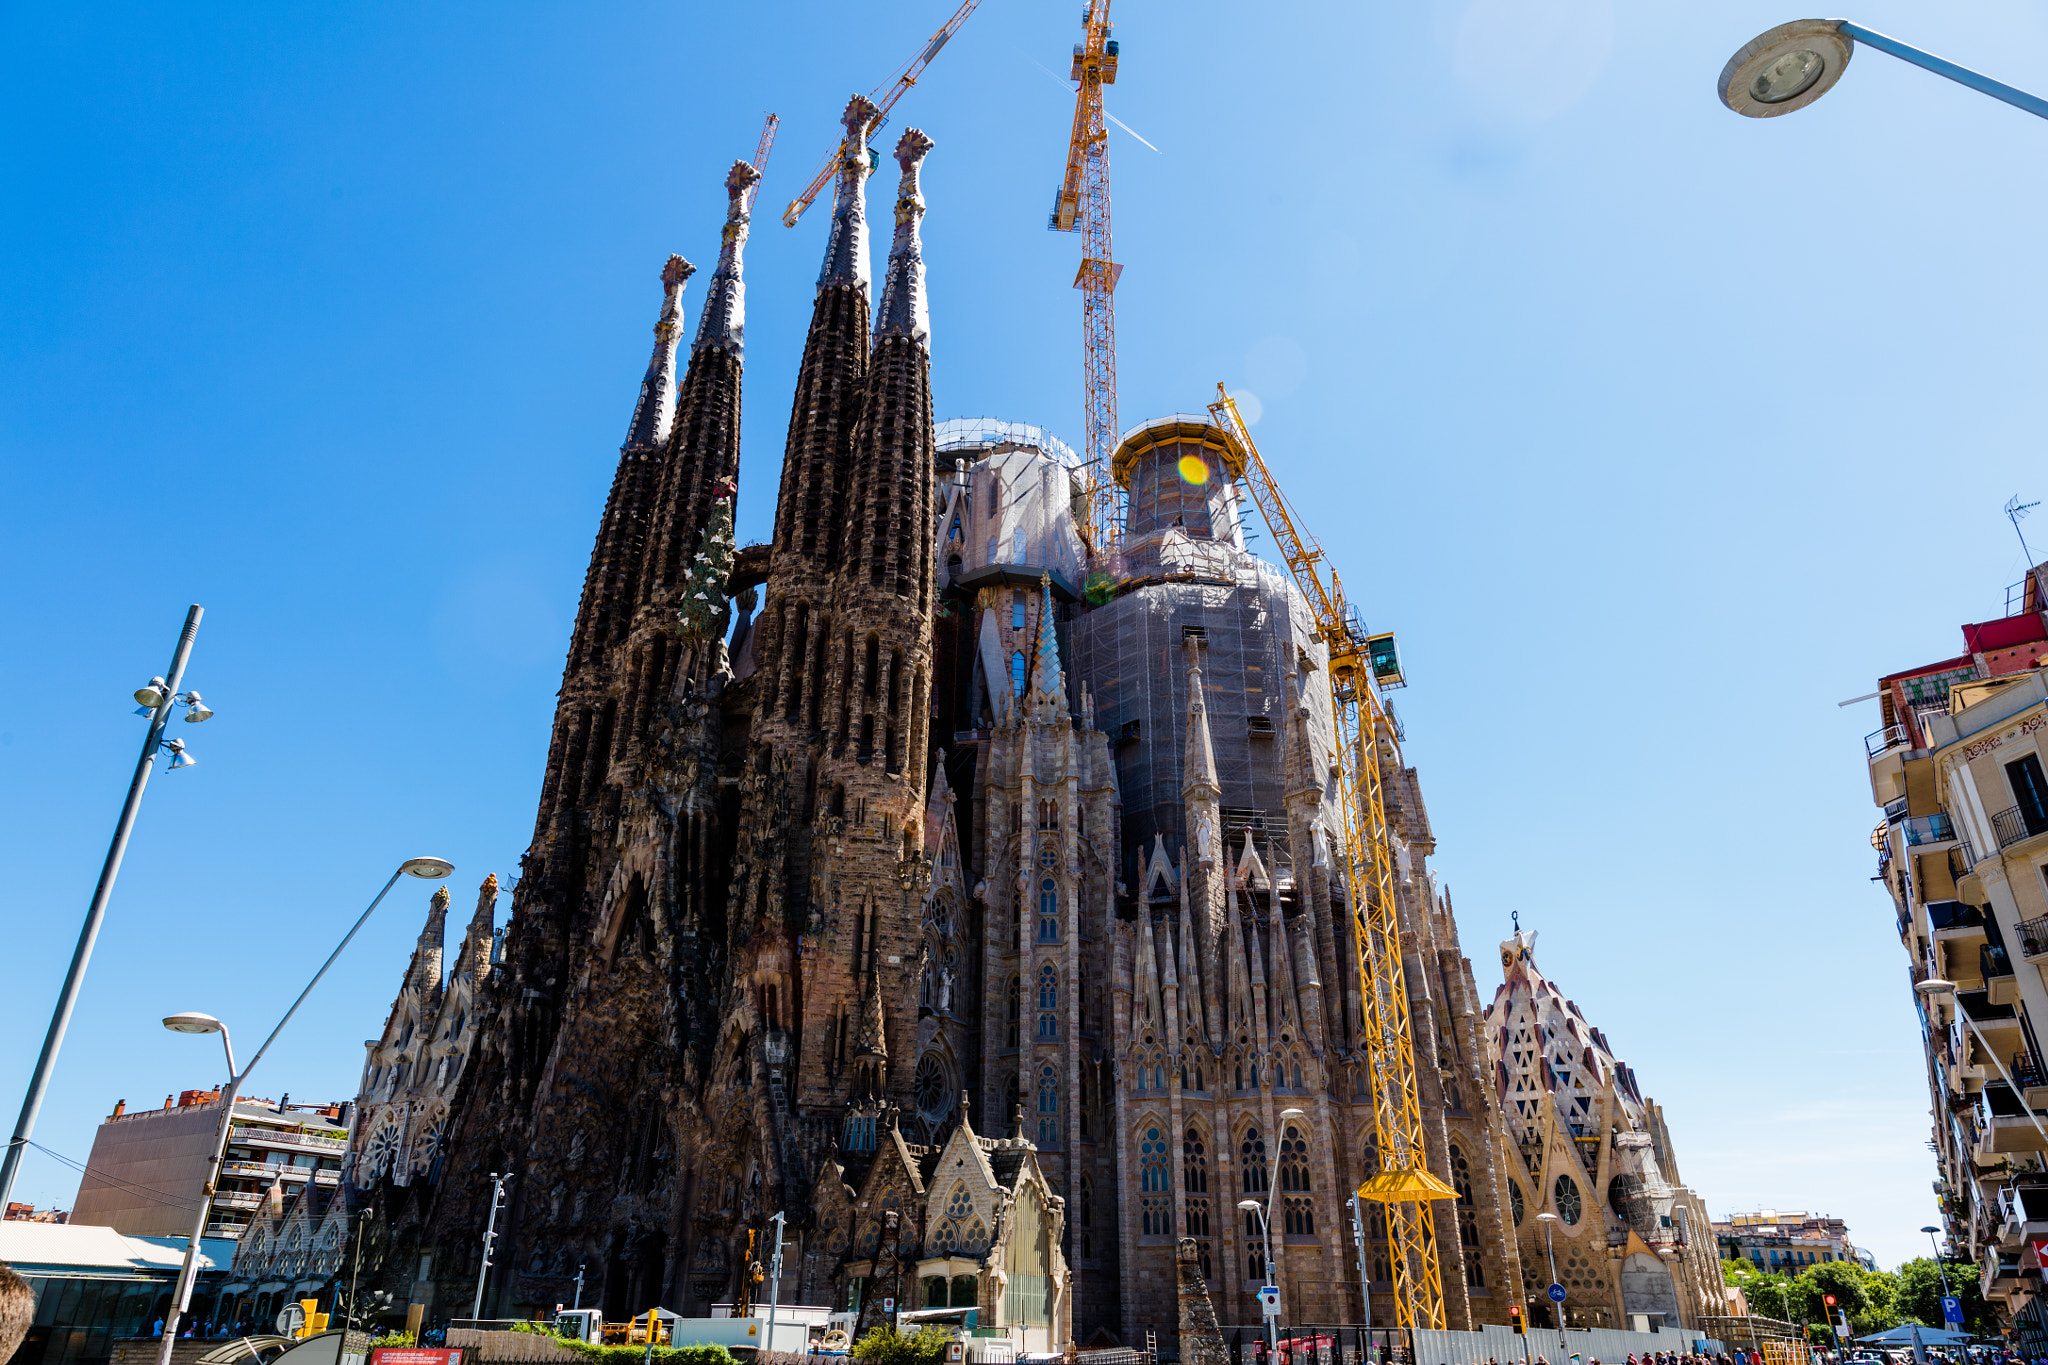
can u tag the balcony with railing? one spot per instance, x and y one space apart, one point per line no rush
2015 823
2033 937
1926 831
1880 742
286 1138
236 1199
1954 920
229 1230
2000 985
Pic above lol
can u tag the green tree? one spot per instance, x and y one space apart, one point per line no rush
885 1345
1881 1306
1733 1271
1919 1298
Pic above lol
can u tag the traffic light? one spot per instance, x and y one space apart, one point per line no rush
1515 1317
1828 1299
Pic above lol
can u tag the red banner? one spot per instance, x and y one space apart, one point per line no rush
416 1355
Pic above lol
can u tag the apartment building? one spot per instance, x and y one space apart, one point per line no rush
1787 1241
1958 769
148 1166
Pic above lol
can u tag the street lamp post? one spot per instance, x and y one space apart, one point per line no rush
1549 1221
1794 64
156 698
1265 1212
1939 1268
1934 988
1364 1280
193 1022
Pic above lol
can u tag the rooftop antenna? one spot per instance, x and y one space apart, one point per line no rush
2015 512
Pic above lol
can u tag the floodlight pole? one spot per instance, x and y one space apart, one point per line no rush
67 999
476 1309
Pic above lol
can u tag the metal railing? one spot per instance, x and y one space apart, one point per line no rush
1992 961
277 1137
2015 823
1880 741
2033 936
2027 1072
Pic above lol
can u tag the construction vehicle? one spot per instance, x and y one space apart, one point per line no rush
580 1324
1082 205
883 97
1365 734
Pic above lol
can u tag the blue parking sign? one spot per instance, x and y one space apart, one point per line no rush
1951 1310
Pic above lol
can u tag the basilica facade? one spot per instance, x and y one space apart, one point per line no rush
965 896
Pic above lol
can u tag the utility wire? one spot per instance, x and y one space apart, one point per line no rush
148 1192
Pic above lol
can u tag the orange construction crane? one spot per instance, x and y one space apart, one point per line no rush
761 150
1083 204
884 97
1358 663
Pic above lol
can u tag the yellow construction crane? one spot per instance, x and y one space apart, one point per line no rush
761 150
884 97
1083 205
1403 1183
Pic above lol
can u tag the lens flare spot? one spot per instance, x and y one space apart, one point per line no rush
1194 469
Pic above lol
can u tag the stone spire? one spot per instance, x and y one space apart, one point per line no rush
1198 777
904 310
475 960
1046 674
657 405
425 971
809 517
724 322
846 249
612 585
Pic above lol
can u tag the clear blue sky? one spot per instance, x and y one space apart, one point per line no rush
1653 431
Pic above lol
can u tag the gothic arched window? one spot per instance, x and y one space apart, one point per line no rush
1048 1002
1293 1160
1017 609
1048 1107
1048 911
1251 1153
1194 1162
1015 1015
1152 1162
1017 674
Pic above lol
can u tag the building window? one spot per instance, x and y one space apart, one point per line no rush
1293 1161
1017 674
1194 1163
1251 1154
1515 1201
1298 1217
1569 1205
1014 1020
1152 1164
1017 545
1048 1107
1048 911
1017 609
1048 1002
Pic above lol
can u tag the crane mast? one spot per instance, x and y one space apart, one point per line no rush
884 97
1403 1182
1083 205
761 150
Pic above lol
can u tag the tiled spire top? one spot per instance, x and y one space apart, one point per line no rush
846 250
724 323
657 405
904 311
1045 673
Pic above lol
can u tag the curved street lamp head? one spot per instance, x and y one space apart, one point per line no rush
1935 988
1785 69
1546 1218
1250 1204
1930 1231
427 869
193 1022
1293 1114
